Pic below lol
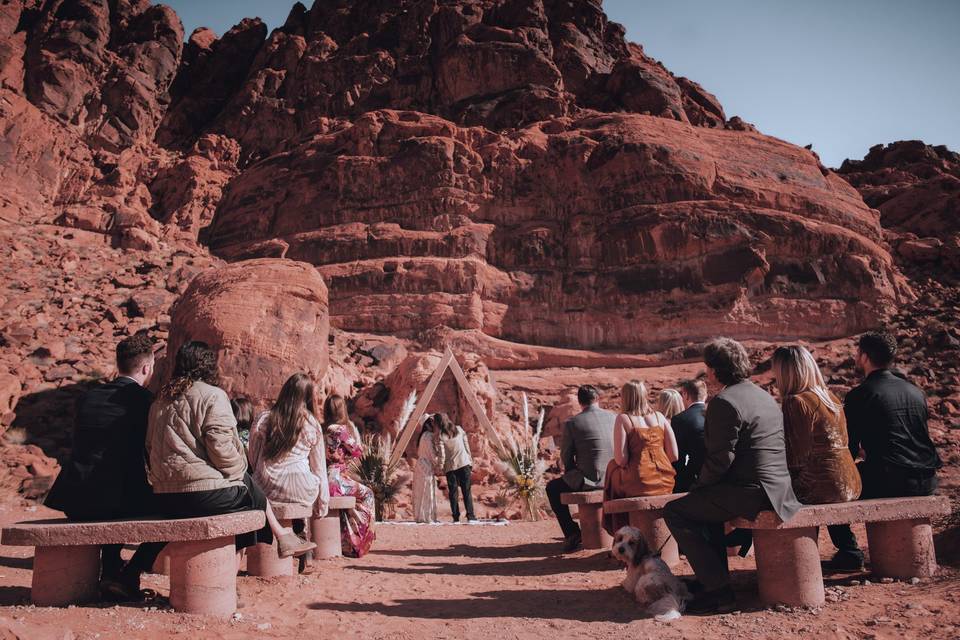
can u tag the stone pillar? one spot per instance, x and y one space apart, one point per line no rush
263 561
325 532
161 566
658 536
65 575
203 576
591 526
788 566
902 548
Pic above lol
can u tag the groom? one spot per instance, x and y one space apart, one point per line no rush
585 450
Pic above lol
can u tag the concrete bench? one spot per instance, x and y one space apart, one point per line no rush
899 538
646 514
589 509
264 561
202 553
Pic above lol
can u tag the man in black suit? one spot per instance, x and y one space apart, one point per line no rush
887 418
744 472
105 477
688 428
586 449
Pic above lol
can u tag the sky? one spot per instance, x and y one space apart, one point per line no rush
840 74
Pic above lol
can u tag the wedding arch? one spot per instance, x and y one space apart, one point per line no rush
448 361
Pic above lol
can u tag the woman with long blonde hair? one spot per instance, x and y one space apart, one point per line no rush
819 460
644 448
670 403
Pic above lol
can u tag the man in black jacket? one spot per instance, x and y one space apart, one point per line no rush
887 419
688 428
744 472
105 477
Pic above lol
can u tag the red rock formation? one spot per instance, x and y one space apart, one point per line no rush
619 232
267 318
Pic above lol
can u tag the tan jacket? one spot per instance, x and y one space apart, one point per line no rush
192 442
456 451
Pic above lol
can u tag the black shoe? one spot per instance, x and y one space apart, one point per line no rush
693 585
122 588
742 538
572 543
720 600
845 562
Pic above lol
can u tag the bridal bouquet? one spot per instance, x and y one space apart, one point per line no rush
520 464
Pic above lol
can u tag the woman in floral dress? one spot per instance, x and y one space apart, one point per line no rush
343 446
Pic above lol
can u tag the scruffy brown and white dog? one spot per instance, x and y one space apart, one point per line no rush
648 577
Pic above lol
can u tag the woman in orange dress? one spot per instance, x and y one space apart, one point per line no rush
644 449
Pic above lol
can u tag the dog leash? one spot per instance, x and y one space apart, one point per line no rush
664 544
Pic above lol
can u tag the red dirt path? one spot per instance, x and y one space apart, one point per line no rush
480 582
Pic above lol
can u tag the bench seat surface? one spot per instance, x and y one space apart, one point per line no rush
646 503
582 497
285 511
881 510
62 532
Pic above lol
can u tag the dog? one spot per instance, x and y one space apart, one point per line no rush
649 578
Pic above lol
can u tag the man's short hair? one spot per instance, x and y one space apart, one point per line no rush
696 390
728 359
132 352
879 346
587 394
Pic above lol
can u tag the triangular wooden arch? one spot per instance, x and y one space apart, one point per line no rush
448 361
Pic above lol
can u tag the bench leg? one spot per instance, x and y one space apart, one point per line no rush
203 576
65 575
264 561
591 527
325 532
657 535
788 567
902 548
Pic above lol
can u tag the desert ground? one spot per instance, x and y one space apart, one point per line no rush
483 581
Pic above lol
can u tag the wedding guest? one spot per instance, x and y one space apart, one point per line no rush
197 465
429 463
688 429
586 448
818 457
105 477
886 418
243 412
287 451
457 465
344 446
744 472
670 403
643 449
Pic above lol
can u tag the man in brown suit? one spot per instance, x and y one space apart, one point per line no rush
744 472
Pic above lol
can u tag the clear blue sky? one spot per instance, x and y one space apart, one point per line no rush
841 74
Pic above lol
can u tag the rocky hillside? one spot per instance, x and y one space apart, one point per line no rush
508 176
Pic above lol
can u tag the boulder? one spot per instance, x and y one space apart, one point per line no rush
267 318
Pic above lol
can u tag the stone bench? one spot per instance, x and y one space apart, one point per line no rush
899 538
646 514
202 553
264 561
590 513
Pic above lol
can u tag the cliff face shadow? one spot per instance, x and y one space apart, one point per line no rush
46 418
514 568
533 550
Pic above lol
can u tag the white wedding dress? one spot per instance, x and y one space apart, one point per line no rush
425 482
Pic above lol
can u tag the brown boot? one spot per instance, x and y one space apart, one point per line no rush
293 545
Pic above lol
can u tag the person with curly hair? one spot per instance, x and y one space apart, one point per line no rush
744 472
197 464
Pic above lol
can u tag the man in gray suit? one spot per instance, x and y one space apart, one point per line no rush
744 472
585 449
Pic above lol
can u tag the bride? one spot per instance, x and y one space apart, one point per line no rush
429 460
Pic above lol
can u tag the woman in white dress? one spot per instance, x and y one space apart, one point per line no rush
429 460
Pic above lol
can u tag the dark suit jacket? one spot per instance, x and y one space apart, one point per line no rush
587 447
688 428
105 476
887 416
745 446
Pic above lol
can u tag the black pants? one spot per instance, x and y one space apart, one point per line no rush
111 563
696 522
556 488
882 481
460 477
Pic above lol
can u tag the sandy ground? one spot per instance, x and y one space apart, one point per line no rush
480 582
